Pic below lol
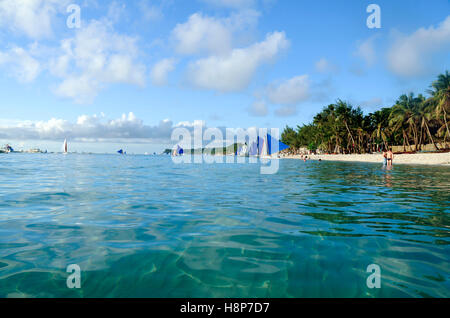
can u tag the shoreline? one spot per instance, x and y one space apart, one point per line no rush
430 159
441 159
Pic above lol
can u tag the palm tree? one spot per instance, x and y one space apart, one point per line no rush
426 114
380 125
328 124
440 92
406 111
344 115
289 137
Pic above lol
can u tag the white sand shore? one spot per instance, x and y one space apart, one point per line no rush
420 158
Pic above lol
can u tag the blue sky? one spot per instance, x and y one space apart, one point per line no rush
136 69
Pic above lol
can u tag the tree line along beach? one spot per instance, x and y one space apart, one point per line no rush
415 127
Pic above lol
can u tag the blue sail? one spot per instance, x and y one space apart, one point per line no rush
256 148
253 150
260 145
272 144
120 151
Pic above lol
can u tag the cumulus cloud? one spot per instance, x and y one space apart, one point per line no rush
210 35
94 57
161 70
202 34
191 124
234 71
20 64
32 18
88 128
421 52
291 91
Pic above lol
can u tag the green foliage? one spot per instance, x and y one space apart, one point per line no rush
312 146
411 121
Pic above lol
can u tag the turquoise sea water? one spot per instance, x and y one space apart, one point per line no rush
143 226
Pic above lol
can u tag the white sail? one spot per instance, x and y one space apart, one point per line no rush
264 151
243 151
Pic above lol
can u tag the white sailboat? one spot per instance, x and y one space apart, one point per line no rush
265 151
65 147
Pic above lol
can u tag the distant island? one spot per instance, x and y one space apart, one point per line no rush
231 149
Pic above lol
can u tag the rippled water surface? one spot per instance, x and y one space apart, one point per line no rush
145 227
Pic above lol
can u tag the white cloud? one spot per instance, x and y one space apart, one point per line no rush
420 53
121 68
88 128
366 51
258 109
325 66
30 17
195 123
161 70
233 72
202 34
94 57
80 88
20 64
290 92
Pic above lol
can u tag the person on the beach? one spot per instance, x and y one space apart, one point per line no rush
390 157
385 156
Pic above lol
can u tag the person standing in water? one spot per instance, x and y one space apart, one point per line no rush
390 157
385 156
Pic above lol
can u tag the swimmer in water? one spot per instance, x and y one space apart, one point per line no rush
385 157
390 157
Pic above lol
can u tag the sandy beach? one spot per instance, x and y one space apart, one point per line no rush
420 158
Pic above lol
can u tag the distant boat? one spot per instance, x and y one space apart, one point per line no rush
178 152
65 147
7 149
122 152
243 151
35 150
266 146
